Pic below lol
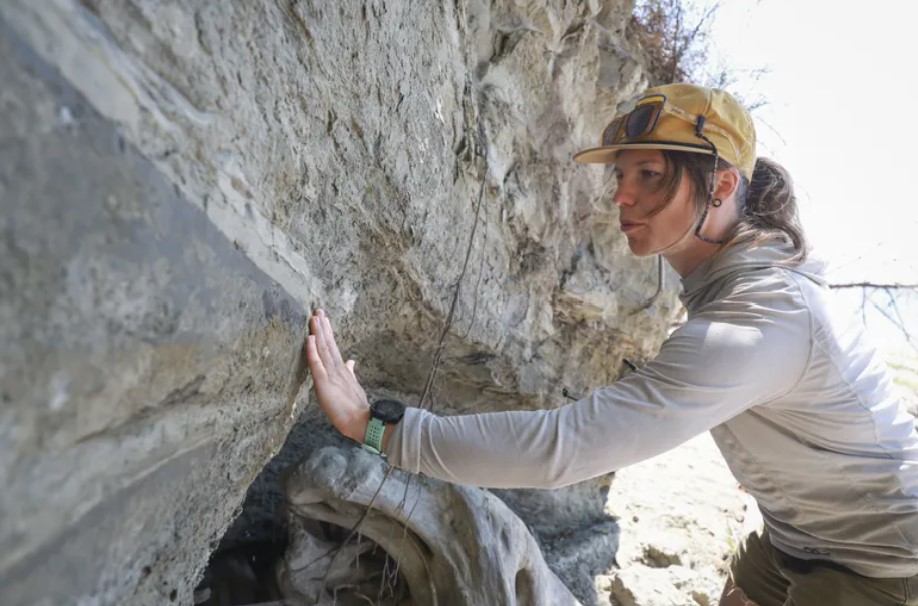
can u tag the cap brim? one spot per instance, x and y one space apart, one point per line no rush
606 155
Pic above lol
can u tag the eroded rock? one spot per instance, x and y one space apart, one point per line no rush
451 544
181 182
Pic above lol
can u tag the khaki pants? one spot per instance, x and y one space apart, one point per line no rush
771 578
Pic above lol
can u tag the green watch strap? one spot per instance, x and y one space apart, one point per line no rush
372 439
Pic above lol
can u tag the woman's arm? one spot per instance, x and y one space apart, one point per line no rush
722 362
704 375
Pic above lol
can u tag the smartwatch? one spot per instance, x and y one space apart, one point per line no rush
382 412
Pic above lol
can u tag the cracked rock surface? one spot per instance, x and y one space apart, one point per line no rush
182 182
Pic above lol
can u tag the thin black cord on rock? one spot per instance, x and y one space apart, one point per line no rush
441 345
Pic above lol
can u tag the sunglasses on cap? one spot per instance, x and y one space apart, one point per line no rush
637 123
643 119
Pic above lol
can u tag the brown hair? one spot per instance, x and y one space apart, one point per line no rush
767 204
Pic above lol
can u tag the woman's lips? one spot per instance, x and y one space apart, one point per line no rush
629 226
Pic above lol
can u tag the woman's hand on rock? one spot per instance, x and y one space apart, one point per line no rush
340 396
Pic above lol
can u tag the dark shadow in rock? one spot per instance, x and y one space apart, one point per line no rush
242 569
260 518
578 538
241 575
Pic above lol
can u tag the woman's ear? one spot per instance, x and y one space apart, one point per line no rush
728 180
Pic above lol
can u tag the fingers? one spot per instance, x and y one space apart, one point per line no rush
330 339
350 367
312 357
325 340
318 330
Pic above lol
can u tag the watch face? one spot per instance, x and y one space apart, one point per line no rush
388 411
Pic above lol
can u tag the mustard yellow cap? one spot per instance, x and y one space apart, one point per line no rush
727 125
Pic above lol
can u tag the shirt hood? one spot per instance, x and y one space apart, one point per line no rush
747 257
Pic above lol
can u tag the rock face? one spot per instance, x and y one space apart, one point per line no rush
181 182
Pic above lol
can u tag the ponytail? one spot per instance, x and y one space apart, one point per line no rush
767 204
768 207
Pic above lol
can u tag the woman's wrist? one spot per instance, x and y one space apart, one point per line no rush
356 427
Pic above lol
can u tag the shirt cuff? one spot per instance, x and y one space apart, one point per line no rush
403 450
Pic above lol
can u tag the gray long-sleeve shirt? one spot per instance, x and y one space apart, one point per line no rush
801 407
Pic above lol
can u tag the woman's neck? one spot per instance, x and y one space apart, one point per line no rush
685 261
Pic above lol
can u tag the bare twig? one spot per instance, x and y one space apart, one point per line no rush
893 285
895 307
696 31
675 50
897 321
898 325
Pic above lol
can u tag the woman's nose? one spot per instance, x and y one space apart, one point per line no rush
624 195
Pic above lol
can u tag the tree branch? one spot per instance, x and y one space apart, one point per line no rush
908 337
875 285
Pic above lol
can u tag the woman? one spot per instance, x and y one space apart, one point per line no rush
801 409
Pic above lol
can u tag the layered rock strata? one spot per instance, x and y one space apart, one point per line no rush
182 182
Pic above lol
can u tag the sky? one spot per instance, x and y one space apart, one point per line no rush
841 116
840 91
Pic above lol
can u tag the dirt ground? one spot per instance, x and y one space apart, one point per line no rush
681 515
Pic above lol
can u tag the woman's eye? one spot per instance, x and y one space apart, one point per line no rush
649 174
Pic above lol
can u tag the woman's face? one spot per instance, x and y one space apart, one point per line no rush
639 174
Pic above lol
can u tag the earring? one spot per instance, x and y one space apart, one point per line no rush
717 202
